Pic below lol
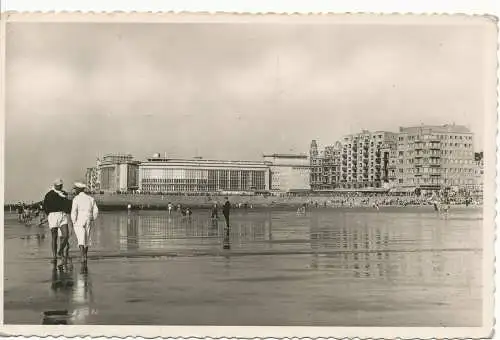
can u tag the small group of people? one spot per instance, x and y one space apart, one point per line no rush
62 210
226 209
214 213
26 213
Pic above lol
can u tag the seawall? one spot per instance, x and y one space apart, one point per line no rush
154 202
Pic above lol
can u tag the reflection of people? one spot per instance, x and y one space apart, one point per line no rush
62 279
84 211
82 296
56 206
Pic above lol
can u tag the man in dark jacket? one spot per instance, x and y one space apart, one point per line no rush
57 207
225 211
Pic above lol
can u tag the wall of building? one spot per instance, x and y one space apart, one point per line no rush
108 177
422 156
435 156
123 177
355 161
202 176
289 178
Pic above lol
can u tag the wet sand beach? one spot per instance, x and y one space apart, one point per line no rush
329 267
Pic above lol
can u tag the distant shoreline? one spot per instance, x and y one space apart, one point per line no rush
158 202
117 202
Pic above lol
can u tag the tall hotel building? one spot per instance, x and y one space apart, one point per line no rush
357 161
198 175
432 157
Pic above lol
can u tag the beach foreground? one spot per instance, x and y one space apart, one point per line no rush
339 267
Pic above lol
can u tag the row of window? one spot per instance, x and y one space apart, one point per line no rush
435 136
435 181
203 180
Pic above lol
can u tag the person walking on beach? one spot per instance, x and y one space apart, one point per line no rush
56 206
225 211
215 212
83 212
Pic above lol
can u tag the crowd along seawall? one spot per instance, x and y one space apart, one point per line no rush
154 202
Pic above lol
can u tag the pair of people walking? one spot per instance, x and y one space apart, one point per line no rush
62 211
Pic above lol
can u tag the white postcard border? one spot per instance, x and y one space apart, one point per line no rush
490 153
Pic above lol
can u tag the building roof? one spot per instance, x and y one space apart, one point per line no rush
202 161
287 155
446 128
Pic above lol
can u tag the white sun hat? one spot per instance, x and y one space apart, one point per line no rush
80 185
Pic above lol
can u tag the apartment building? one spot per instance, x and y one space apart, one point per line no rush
361 160
432 157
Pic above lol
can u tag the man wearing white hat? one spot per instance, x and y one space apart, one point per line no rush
83 212
57 206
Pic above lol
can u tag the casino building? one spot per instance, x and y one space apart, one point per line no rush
198 175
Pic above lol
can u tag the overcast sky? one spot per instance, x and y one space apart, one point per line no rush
228 91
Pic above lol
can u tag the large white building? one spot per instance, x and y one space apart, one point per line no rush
289 172
197 175
118 172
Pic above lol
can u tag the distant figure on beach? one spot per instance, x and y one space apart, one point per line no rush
20 212
129 206
215 212
84 212
170 207
189 212
226 209
56 206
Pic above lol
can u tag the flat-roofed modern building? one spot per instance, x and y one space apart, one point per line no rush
118 172
197 175
289 172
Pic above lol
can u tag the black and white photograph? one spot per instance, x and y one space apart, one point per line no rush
251 171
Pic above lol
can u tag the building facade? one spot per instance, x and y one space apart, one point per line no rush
159 174
118 173
361 160
434 157
288 172
92 179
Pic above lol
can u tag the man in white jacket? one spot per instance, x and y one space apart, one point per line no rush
83 212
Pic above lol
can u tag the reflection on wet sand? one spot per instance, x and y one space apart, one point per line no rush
74 291
147 232
369 263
